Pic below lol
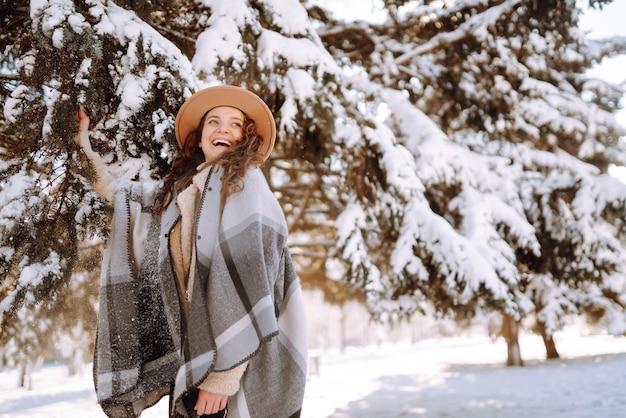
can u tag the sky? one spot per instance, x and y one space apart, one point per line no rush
606 22
602 24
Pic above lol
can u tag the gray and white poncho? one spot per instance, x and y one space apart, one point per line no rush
246 306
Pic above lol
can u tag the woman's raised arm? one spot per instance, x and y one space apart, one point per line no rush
104 182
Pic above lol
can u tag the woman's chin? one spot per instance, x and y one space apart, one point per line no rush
214 154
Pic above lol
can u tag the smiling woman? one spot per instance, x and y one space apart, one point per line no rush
200 262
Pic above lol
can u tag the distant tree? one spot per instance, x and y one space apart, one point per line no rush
506 80
453 156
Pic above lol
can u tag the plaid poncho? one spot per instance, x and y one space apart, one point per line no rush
246 306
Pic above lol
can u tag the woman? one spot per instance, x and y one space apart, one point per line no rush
199 299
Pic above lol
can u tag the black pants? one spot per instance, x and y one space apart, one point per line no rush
219 414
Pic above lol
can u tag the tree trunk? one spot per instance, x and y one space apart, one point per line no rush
21 377
75 363
548 341
342 328
25 375
510 331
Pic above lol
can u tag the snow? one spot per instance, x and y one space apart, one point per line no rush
447 377
352 10
290 16
237 9
301 52
33 273
222 41
432 378
299 86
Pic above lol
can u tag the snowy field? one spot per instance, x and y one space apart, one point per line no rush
451 377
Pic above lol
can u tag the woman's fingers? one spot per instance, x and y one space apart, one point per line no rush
83 120
210 403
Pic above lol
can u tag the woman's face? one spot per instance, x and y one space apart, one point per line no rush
223 127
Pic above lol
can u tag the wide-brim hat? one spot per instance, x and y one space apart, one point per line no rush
249 103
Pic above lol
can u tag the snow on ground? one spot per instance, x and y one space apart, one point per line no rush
449 377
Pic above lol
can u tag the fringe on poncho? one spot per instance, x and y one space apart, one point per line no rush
246 306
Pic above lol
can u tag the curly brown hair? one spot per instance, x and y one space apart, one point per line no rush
235 161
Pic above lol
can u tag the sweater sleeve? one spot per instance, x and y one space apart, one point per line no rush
104 183
226 382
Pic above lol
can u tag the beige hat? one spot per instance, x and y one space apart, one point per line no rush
249 103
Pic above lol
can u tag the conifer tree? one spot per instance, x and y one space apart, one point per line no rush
454 156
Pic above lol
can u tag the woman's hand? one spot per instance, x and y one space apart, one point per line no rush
83 120
82 139
102 183
210 403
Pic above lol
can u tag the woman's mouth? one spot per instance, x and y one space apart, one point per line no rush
221 143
